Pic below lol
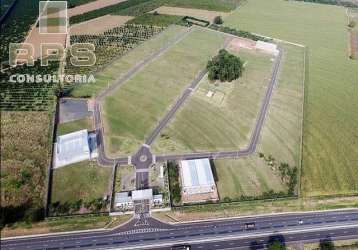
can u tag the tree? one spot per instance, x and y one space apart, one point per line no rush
218 20
225 67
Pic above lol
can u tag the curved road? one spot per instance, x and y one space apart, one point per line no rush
251 148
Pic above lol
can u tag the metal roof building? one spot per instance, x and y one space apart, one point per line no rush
72 148
197 176
145 194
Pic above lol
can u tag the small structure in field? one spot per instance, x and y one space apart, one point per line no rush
197 181
74 147
269 48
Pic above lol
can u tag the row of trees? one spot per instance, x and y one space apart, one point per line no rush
174 186
95 205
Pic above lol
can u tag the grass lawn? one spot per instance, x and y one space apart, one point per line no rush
218 5
223 121
330 123
281 136
84 180
121 66
156 20
69 127
132 111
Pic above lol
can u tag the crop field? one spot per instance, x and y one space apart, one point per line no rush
110 45
25 149
330 120
197 13
126 119
281 137
91 6
80 181
120 66
99 25
225 120
17 24
23 96
139 7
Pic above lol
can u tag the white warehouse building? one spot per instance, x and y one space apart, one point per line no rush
197 177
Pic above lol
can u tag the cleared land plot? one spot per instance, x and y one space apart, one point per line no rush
121 66
98 25
69 127
125 179
84 180
330 152
92 6
36 39
132 111
281 136
219 115
197 13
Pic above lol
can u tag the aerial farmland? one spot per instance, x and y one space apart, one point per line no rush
257 96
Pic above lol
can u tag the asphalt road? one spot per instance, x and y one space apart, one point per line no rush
218 234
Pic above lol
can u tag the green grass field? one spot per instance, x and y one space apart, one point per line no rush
84 180
330 124
223 121
69 127
121 66
281 136
132 111
156 20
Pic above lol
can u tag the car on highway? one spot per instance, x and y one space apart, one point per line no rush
181 247
250 226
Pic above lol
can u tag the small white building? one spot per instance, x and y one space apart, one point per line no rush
123 200
74 147
270 48
145 194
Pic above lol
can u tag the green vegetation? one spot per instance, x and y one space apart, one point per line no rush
79 186
276 245
28 96
239 33
126 119
174 185
69 127
224 112
218 20
74 3
156 19
109 46
330 110
24 162
225 67
5 4
139 7
63 224
121 65
17 24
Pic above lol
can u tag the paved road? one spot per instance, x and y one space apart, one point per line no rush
102 158
292 227
251 148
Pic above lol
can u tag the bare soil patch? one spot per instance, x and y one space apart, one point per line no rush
237 43
354 45
98 25
36 39
99 4
197 13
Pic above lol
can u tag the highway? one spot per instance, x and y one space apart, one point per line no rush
217 234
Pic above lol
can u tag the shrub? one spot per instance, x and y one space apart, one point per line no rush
225 67
352 24
218 20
